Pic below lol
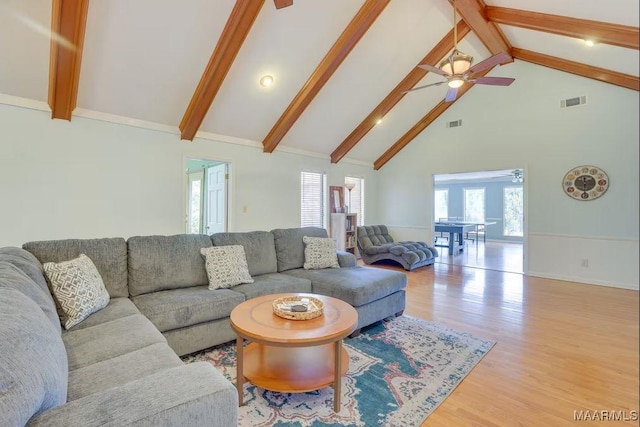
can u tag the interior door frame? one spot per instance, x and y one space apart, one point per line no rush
229 220
525 210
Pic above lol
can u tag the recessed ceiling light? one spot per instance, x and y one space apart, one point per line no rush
378 121
589 42
266 81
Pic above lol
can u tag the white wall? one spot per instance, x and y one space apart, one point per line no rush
89 178
523 125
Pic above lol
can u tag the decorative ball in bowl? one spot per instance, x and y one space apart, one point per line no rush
298 307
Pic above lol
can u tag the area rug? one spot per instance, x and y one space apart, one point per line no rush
400 370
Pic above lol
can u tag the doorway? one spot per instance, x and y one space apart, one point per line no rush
207 196
489 207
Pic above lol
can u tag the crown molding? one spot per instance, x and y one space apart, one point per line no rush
32 104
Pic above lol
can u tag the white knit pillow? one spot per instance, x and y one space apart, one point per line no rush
78 288
226 266
319 252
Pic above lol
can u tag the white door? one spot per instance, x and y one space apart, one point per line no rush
216 199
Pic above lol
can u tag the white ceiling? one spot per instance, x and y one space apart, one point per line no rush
143 60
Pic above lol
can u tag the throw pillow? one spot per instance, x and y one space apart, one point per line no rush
319 252
78 288
226 266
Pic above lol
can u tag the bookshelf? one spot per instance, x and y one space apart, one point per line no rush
344 231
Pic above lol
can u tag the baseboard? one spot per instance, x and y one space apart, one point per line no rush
582 280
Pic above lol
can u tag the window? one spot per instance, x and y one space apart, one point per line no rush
513 211
312 199
355 199
474 204
440 204
195 205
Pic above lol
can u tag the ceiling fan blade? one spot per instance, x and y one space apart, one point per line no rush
494 81
282 3
433 69
490 62
451 95
423 86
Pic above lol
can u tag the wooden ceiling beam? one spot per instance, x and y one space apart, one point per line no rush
422 124
235 31
358 26
472 11
68 24
596 73
600 32
436 54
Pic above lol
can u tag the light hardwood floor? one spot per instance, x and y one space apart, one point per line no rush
492 255
560 346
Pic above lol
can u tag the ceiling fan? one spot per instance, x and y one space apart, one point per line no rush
458 70
516 175
282 3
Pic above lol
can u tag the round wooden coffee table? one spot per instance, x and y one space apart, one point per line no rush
292 356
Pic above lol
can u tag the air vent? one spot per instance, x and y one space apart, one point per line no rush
573 102
454 124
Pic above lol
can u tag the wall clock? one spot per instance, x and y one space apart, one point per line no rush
585 183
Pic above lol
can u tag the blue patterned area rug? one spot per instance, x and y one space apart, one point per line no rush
400 370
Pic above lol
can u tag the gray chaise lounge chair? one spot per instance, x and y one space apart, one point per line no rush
375 244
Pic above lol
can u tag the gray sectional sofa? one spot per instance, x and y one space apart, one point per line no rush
121 365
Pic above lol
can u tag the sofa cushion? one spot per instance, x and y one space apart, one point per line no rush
12 277
274 283
166 262
355 285
290 247
33 361
226 266
259 248
78 288
319 252
109 256
117 308
108 340
177 308
189 395
120 369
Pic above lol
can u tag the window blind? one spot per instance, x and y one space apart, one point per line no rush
312 199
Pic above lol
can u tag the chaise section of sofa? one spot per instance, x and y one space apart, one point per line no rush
374 293
108 369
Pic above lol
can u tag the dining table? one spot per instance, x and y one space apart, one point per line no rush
456 230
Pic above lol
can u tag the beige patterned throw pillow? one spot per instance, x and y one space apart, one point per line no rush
226 266
78 288
319 252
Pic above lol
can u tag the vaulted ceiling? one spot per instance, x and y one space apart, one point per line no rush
339 66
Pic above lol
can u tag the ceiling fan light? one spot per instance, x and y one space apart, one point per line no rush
456 63
455 82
